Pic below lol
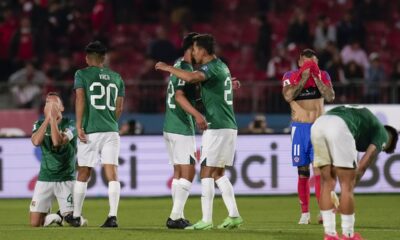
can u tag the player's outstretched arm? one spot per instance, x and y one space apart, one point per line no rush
326 91
181 99
38 135
366 160
119 107
79 109
290 92
191 77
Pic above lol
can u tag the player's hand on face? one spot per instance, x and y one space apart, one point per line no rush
47 110
235 83
82 135
201 122
161 66
305 74
55 111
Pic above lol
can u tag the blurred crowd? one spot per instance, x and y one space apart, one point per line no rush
42 43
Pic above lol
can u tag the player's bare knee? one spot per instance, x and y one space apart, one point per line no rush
35 223
84 174
303 171
110 172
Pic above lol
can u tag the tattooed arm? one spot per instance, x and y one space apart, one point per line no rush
290 92
326 91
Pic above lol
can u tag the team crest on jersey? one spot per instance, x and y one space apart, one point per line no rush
286 82
205 68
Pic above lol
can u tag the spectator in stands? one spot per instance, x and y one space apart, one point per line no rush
354 52
102 18
161 49
395 76
26 86
279 64
298 31
263 45
8 26
375 77
78 34
371 10
58 24
324 33
349 29
353 71
63 76
259 125
151 87
24 44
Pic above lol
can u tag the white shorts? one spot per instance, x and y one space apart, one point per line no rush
333 143
218 147
103 147
45 192
181 148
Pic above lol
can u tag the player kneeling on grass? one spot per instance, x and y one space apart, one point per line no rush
56 137
337 137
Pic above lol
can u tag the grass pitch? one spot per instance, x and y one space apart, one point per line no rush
267 217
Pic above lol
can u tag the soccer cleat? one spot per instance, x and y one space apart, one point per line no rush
76 221
305 218
231 222
111 222
177 224
52 218
330 237
356 236
335 199
200 225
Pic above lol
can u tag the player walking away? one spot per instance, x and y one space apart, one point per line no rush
337 136
219 140
56 137
99 99
305 90
179 134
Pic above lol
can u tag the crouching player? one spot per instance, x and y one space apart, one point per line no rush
56 137
337 137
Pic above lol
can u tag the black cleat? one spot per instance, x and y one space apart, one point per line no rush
73 221
177 224
111 222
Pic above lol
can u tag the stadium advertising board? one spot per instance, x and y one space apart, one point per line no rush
262 166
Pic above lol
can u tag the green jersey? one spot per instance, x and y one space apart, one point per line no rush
178 120
217 95
58 163
102 87
364 126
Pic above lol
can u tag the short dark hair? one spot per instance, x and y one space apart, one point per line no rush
308 53
55 94
205 41
395 137
96 47
188 40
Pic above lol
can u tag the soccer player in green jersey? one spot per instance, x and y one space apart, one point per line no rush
179 134
337 137
219 140
99 99
56 137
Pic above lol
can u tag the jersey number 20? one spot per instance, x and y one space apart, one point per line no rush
104 91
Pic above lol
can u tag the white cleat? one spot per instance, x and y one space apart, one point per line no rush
305 218
52 218
335 199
